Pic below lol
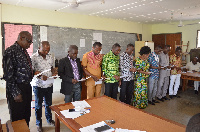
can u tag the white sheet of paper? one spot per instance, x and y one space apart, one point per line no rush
126 130
82 42
125 76
41 73
72 115
81 80
98 82
48 81
81 104
92 127
54 76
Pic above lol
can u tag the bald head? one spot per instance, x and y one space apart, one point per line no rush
24 39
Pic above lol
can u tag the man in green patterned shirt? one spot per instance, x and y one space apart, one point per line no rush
110 67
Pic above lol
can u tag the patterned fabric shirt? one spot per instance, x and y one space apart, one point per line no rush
93 63
126 63
40 64
74 68
143 65
176 61
16 68
154 61
110 67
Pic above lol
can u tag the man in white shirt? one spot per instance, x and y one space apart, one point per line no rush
42 61
194 66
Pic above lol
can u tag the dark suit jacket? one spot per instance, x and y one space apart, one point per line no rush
65 72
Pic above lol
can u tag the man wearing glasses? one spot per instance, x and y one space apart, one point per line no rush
18 74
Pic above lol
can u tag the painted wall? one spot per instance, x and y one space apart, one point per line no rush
189 32
16 14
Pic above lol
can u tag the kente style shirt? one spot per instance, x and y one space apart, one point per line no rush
92 63
154 61
17 68
126 63
74 68
176 61
110 67
40 64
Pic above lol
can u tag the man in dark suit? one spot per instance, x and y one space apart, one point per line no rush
70 72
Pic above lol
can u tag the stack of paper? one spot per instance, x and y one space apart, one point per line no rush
81 104
126 130
72 115
91 128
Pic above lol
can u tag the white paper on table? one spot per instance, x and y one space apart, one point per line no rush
190 71
92 127
68 114
126 130
48 81
81 104
54 76
98 82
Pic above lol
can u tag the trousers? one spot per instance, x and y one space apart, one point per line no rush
21 110
111 89
153 86
126 91
196 85
174 84
92 89
163 83
41 93
75 94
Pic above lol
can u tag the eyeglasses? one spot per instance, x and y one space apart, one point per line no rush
29 41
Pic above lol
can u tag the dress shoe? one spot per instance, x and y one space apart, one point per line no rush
155 101
166 98
171 96
39 129
52 123
177 96
152 103
161 99
196 92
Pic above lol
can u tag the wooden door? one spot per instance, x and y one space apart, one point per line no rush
158 39
171 39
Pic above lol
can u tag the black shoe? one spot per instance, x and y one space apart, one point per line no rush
39 129
166 98
177 96
196 92
152 103
149 102
161 99
52 123
155 101
171 96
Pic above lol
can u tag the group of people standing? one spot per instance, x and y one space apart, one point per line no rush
113 68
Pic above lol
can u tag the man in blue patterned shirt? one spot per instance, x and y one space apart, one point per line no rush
153 78
18 73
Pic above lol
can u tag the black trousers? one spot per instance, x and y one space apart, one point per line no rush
111 89
21 110
126 91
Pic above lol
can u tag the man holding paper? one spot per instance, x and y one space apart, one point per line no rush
42 63
70 71
126 66
92 67
110 66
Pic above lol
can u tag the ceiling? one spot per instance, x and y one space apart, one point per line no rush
141 11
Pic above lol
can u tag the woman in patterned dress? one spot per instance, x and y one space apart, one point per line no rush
140 94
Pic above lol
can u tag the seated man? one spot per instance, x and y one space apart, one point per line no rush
194 66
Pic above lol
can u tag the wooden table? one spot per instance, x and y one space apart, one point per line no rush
189 76
125 116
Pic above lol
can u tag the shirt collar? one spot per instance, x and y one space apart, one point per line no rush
70 58
37 53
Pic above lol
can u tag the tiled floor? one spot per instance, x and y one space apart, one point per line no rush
178 109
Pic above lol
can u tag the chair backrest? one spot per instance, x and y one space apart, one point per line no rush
9 126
